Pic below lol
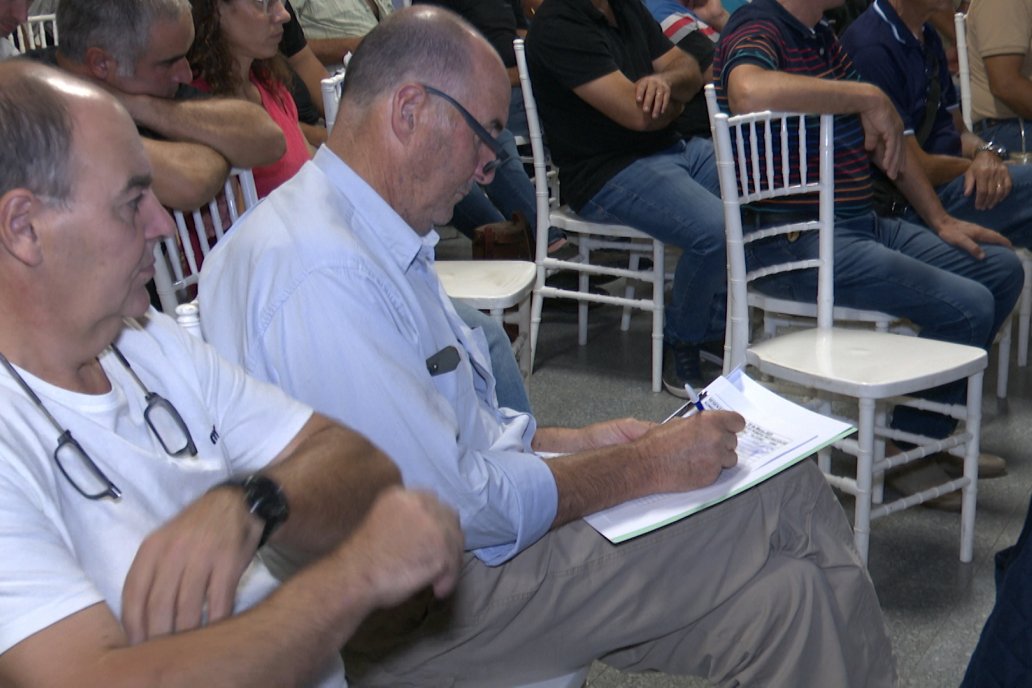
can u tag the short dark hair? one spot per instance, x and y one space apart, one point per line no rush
121 27
35 133
423 43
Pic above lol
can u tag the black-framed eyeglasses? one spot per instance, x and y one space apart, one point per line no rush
483 134
75 463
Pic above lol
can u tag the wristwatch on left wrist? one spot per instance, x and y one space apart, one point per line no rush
265 499
1000 151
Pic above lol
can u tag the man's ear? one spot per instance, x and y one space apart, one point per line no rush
17 235
100 64
406 110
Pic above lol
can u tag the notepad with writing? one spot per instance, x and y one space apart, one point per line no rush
778 434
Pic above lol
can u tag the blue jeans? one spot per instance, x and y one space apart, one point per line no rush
510 191
1007 133
674 196
473 210
903 269
508 381
1011 217
517 122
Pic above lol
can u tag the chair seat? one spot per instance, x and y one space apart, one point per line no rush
564 218
863 363
487 284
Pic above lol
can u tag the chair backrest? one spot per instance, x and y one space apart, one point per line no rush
765 155
40 31
331 89
963 67
537 147
177 264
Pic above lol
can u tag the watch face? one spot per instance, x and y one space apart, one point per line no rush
266 499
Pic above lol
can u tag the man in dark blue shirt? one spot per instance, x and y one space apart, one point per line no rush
894 47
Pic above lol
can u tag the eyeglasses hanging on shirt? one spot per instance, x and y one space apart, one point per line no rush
75 463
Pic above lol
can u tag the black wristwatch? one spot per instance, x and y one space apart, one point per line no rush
265 499
996 149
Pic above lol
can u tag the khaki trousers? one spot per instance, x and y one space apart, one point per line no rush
764 589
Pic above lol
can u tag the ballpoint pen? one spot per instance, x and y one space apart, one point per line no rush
693 400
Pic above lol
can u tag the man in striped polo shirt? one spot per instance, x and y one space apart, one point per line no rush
957 282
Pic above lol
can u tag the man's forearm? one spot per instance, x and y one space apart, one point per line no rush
331 478
939 169
752 89
240 131
914 185
409 541
684 76
186 175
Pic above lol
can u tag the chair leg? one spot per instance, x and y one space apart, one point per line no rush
536 302
583 286
1003 362
878 479
659 314
973 425
625 319
526 358
1025 311
864 477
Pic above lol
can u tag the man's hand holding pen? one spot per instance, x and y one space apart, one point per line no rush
690 452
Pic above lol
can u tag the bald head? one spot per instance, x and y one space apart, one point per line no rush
35 130
37 122
422 43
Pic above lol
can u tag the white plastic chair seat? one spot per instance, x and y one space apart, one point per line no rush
572 680
564 218
853 362
487 284
495 286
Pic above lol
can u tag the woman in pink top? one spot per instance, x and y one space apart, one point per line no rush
236 53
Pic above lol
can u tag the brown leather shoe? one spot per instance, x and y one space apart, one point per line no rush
989 465
912 479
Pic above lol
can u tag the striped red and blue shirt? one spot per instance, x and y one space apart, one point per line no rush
765 34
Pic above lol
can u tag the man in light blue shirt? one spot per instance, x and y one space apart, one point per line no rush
328 289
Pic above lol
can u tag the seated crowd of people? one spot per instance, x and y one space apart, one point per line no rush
344 483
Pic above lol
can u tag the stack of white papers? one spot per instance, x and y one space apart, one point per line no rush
778 434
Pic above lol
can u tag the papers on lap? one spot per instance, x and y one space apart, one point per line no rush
778 434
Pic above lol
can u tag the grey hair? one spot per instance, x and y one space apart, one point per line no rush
120 27
36 127
424 43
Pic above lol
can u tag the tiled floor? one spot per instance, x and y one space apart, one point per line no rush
934 605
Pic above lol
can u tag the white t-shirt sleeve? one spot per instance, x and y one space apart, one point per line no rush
41 581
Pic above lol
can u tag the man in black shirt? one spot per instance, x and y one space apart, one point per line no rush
610 86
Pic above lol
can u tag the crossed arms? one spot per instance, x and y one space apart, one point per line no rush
407 541
204 137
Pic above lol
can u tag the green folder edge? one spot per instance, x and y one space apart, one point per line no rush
702 507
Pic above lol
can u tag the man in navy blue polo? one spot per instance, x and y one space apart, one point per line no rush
968 173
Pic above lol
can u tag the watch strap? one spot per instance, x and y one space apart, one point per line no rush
264 498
